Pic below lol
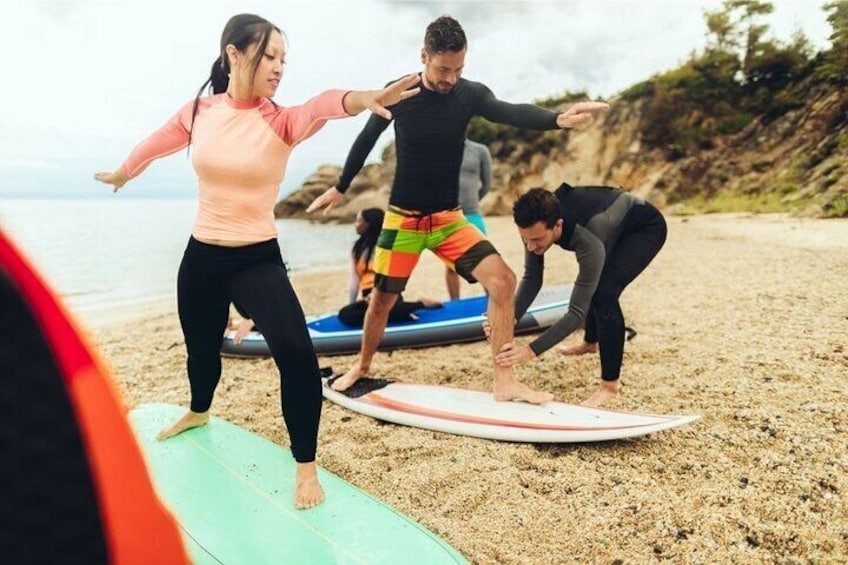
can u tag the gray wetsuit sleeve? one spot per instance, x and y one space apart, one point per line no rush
531 282
485 171
590 258
363 145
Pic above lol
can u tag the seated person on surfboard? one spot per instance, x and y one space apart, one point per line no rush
368 224
614 235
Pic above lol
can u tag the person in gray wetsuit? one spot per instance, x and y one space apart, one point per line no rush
475 180
614 235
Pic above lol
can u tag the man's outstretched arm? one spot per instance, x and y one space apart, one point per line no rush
530 116
590 258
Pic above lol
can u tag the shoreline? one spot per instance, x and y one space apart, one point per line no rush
99 318
741 319
764 225
103 317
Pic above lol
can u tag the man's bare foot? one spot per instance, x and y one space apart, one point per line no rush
606 390
430 304
579 349
188 421
349 379
514 390
307 490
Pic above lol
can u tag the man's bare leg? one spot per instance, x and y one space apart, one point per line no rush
606 391
188 421
499 282
580 349
452 282
307 490
376 318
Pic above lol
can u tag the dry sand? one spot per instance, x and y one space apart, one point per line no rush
742 319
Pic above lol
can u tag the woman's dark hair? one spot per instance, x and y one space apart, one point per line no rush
241 31
537 205
444 34
364 246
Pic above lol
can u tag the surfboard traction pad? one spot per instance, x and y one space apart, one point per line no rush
360 388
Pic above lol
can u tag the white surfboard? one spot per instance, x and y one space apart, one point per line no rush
474 413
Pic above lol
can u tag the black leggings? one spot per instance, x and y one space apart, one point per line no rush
643 237
354 313
210 278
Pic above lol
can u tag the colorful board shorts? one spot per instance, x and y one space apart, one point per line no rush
406 233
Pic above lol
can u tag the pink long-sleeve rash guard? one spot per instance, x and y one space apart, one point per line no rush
239 151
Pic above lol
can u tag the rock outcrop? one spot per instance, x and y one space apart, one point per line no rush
799 160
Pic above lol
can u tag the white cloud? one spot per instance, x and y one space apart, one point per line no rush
20 163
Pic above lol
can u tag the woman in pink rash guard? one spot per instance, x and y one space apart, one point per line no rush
241 141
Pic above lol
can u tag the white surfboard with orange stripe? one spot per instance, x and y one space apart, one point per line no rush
475 413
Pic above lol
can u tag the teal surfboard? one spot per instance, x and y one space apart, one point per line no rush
231 492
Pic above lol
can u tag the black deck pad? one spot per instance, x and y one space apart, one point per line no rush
363 386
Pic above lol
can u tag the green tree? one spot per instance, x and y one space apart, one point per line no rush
721 34
749 13
834 66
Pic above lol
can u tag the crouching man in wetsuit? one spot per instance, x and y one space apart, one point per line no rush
614 235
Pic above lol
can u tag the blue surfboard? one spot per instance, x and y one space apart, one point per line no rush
457 321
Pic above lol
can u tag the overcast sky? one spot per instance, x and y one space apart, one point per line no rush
83 82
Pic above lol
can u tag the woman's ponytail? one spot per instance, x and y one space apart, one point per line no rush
218 81
219 77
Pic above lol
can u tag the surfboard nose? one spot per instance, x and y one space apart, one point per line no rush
76 489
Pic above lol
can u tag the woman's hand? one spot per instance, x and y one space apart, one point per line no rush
117 179
377 100
487 328
512 354
244 327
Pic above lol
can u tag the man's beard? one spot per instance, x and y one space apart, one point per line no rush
444 87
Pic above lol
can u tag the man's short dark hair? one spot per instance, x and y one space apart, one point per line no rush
536 205
444 34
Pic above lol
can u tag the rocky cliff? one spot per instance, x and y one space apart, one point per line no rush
797 162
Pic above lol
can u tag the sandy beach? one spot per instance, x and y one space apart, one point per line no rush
741 319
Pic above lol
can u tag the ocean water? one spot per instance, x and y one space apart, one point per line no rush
98 253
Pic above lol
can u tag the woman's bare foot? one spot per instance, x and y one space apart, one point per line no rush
349 379
579 349
307 490
188 421
606 390
513 390
430 304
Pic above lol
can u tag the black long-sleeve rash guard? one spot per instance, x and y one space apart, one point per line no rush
429 136
593 219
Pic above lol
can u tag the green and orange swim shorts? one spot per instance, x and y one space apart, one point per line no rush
406 233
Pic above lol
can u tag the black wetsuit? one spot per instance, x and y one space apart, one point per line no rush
429 138
615 235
